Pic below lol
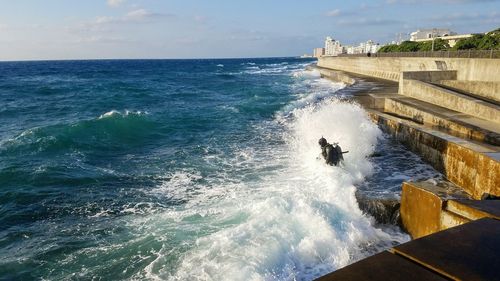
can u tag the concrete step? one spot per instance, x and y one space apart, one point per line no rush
466 252
474 209
450 121
489 90
383 267
440 96
472 166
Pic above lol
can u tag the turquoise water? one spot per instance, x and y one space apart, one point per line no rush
185 170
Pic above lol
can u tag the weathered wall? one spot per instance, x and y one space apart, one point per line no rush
475 169
390 68
427 207
432 76
405 107
490 90
420 210
338 76
445 98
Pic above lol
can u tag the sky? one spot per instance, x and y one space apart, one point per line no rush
135 29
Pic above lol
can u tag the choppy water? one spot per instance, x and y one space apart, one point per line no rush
186 170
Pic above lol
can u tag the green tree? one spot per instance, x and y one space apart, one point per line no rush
389 48
409 46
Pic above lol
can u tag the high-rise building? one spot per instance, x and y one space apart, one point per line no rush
364 48
333 47
318 52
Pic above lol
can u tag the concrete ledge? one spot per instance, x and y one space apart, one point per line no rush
466 252
374 67
383 266
474 168
390 68
422 204
338 76
451 121
475 209
487 89
430 76
452 100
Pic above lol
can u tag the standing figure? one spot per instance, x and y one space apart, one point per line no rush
331 153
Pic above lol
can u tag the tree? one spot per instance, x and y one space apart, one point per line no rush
409 46
389 48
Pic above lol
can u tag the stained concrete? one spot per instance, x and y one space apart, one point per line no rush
443 97
384 267
466 164
466 252
453 122
422 205
474 209
486 89
390 68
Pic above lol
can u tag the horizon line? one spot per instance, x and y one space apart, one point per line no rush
116 59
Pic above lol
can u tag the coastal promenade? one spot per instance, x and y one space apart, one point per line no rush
446 110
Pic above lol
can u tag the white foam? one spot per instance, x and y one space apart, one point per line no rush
295 222
121 113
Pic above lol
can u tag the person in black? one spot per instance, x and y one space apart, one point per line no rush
332 154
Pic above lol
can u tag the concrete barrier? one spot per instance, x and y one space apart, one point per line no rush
429 76
338 76
446 98
474 168
427 208
390 68
445 119
489 90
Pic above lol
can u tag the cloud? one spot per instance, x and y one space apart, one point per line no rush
115 3
200 19
135 16
333 13
368 22
101 39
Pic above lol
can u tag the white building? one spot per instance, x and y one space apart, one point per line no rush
430 33
364 48
333 47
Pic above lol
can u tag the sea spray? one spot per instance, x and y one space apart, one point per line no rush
299 222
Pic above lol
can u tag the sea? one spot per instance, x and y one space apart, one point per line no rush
188 170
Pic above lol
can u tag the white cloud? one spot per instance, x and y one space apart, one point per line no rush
115 3
333 13
135 16
140 15
369 22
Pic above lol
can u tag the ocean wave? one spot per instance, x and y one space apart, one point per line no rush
112 129
298 221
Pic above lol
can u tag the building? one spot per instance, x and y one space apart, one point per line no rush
452 39
318 52
333 47
364 48
430 33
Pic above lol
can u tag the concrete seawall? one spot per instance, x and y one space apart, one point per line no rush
391 68
446 110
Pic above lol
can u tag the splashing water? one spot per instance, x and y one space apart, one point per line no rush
184 170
